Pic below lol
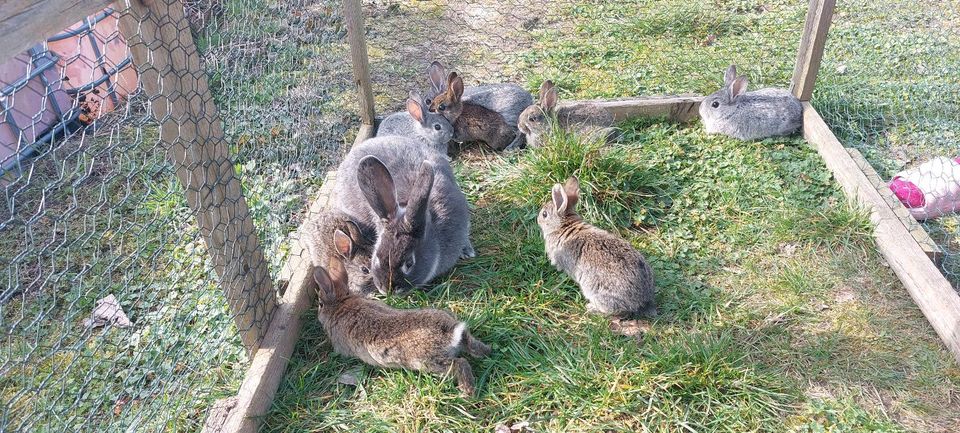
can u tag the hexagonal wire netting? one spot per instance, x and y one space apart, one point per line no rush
96 223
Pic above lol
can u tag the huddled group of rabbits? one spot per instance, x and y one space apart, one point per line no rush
398 218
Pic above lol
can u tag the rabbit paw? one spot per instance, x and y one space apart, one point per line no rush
468 251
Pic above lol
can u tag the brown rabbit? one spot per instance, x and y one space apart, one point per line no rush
332 232
472 122
426 339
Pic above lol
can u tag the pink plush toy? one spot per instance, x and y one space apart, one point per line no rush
931 189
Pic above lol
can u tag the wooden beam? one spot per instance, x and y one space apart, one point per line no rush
365 132
919 234
190 130
263 378
24 23
929 289
810 53
353 15
674 108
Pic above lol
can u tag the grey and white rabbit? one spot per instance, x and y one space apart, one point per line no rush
613 276
332 233
431 129
408 193
743 115
585 119
425 339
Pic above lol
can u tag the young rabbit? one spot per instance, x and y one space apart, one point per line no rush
431 129
333 233
409 194
743 115
505 98
587 120
613 276
472 122
427 339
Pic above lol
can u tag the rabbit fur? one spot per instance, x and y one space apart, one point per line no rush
508 99
417 122
408 193
424 339
588 120
613 276
472 122
755 115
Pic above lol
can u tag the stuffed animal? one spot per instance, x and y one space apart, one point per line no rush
931 189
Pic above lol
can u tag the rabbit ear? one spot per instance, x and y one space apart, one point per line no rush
548 96
325 287
338 278
559 199
415 109
739 87
572 190
343 244
730 75
437 74
418 202
377 187
356 235
455 86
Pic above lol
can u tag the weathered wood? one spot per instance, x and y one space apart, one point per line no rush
929 289
365 132
24 23
810 53
263 378
172 78
674 108
353 16
919 234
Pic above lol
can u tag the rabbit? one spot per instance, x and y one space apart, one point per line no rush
743 115
409 195
505 98
613 276
431 129
332 232
425 339
472 122
588 119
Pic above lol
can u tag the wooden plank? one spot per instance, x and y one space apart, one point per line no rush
24 23
263 378
929 289
365 132
674 108
810 53
190 129
353 16
919 234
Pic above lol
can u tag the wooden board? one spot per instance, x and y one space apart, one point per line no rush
674 108
929 289
190 130
916 230
24 23
263 378
353 16
812 42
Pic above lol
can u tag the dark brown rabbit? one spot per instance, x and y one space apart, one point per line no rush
472 122
425 339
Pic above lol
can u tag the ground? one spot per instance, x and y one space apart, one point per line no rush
777 312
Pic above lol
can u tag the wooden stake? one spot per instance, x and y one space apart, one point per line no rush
24 23
353 15
812 42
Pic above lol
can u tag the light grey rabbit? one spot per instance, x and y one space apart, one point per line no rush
425 339
332 233
507 99
431 129
588 120
743 115
409 194
613 276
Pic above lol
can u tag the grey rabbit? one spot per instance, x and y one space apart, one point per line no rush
507 99
585 119
472 122
613 276
408 193
431 129
332 233
755 115
424 339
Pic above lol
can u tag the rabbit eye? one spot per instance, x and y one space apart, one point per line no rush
365 270
544 213
715 104
428 101
436 126
442 107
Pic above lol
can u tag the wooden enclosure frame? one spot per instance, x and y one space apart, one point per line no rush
200 155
